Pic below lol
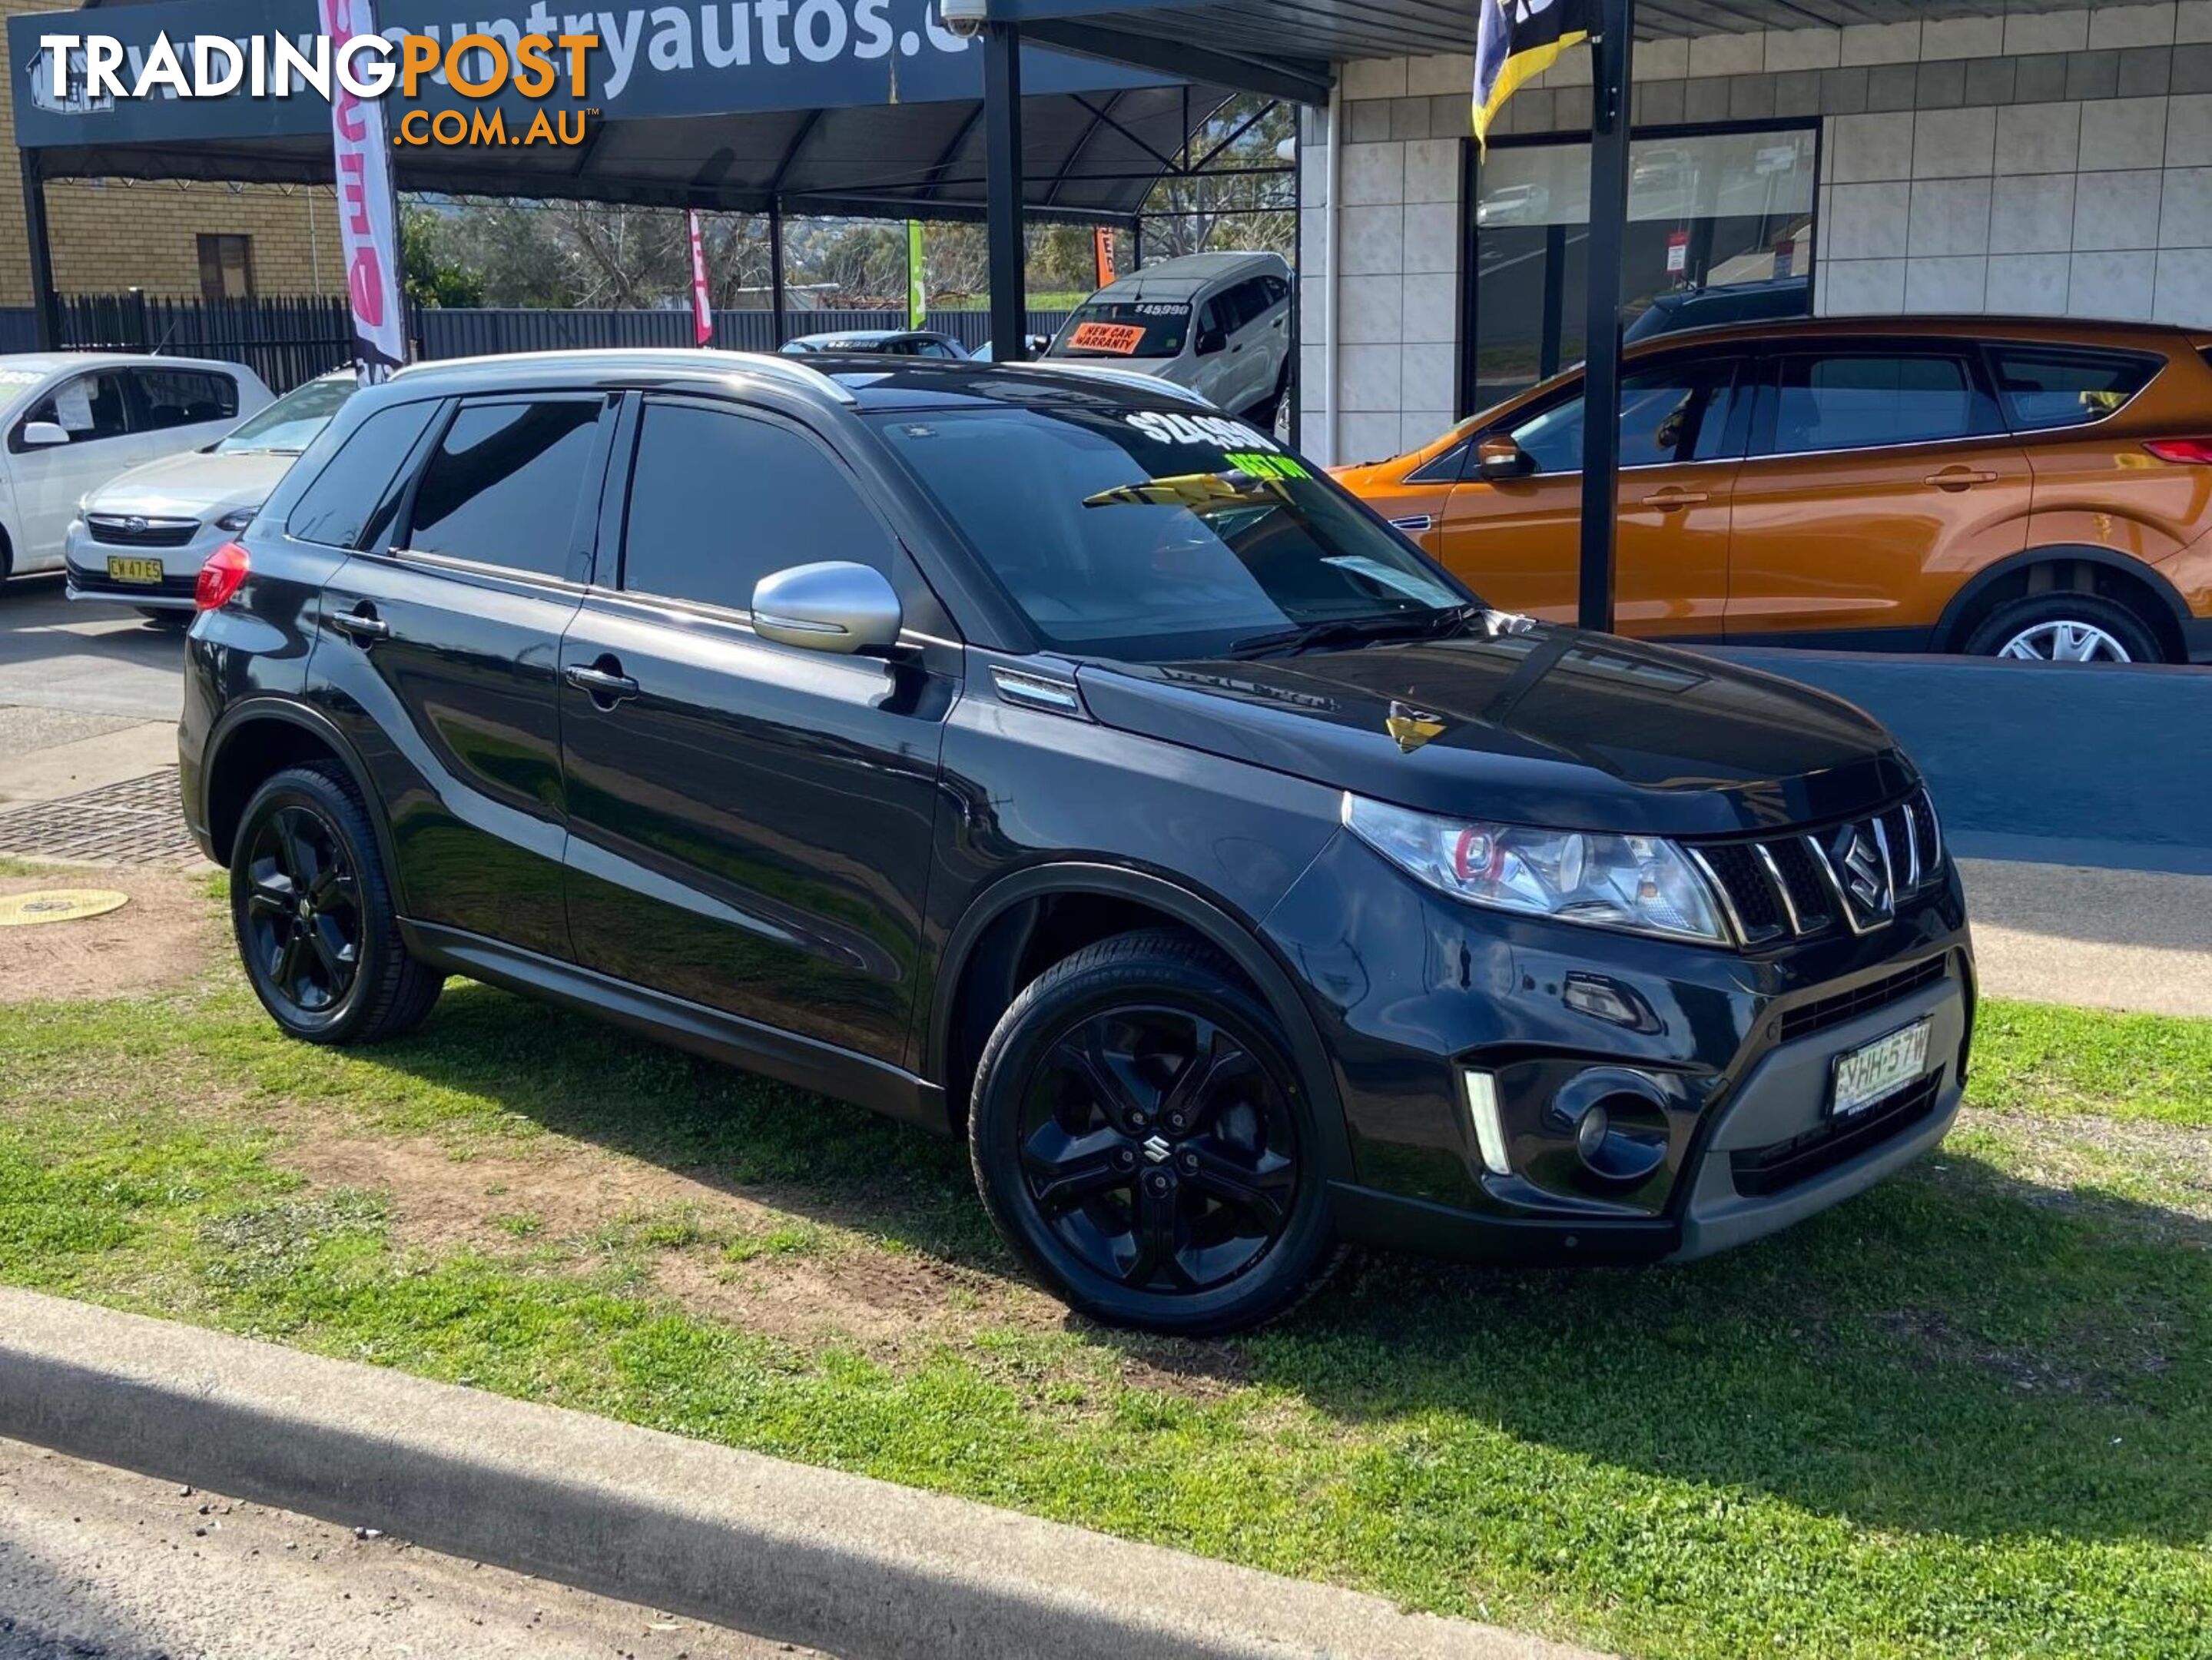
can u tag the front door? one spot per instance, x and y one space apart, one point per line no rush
1518 541
751 821
94 410
438 656
1880 473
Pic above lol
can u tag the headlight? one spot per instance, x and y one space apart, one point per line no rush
1639 882
232 523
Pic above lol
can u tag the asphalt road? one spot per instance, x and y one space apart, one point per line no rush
98 1562
87 659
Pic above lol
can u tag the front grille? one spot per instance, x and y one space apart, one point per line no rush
119 531
1825 1012
1759 1171
1797 886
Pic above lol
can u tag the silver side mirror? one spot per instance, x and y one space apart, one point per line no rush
836 606
44 434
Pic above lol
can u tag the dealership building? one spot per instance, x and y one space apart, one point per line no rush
1945 159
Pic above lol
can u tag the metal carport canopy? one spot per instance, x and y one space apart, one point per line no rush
1285 48
888 123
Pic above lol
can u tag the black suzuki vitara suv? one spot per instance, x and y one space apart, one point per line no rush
1040 757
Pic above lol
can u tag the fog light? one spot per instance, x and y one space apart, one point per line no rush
1590 1134
1489 1133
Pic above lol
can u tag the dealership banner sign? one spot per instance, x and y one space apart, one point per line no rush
1517 39
195 71
369 228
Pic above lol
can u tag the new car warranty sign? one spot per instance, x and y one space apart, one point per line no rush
19 910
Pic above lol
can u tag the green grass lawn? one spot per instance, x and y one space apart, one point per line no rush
1968 1414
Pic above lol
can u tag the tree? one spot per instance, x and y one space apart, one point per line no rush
1193 213
435 274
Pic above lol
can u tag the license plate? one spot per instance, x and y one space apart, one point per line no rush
1881 1068
134 570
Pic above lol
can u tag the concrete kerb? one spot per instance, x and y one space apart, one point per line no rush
857 1568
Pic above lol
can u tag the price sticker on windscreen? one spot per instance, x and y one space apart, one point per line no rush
1677 252
1122 338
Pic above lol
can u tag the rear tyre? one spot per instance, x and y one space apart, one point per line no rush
313 911
1140 1135
2066 628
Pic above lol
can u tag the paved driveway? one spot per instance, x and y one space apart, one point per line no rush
85 658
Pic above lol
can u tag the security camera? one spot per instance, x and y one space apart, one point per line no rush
964 18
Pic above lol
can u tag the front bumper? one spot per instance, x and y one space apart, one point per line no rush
85 562
1409 990
1773 1156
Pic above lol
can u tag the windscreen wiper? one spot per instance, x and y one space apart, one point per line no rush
1356 631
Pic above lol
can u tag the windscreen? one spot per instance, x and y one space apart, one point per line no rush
1145 328
291 423
1147 535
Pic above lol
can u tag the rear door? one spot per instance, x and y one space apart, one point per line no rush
1518 541
180 409
438 656
1881 477
751 820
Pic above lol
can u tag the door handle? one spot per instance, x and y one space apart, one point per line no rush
604 679
361 624
1667 500
1958 479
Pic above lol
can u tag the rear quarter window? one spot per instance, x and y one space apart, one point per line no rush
2045 387
347 495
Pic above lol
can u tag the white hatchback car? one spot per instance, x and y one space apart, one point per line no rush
73 420
1217 323
141 538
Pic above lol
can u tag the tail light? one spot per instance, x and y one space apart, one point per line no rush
2195 452
226 568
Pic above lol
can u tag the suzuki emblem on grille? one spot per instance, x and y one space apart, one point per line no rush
1157 1149
1865 872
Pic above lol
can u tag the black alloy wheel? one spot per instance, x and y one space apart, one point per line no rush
312 910
302 921
1157 1148
1140 1133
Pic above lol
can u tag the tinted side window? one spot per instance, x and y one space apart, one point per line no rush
87 407
683 540
2043 388
335 509
1863 401
501 487
1678 413
1250 298
184 398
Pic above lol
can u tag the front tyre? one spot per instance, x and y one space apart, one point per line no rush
312 908
1140 1136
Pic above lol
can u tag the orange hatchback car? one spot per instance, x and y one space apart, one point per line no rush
2007 488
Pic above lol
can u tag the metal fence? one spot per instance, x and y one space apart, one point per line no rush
287 341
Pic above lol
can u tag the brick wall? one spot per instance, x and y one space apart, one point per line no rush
108 236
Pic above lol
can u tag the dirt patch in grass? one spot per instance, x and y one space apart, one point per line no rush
720 1254
2152 1179
168 933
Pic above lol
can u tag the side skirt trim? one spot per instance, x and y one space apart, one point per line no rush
802 1062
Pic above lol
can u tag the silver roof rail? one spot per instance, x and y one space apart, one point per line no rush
666 357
